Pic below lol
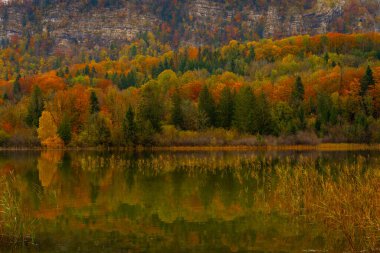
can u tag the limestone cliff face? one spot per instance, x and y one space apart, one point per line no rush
195 22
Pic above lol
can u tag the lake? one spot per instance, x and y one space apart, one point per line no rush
233 201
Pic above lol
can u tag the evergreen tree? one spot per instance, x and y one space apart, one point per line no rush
64 130
94 103
251 55
366 82
35 107
103 132
86 70
327 112
262 117
129 127
132 78
243 113
226 108
133 52
176 114
150 107
128 80
17 88
326 58
206 104
298 92
93 72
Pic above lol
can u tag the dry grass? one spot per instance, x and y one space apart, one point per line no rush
347 202
343 197
319 147
17 226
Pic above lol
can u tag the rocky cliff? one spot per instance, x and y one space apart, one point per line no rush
184 21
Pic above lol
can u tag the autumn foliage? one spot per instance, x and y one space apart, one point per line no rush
338 77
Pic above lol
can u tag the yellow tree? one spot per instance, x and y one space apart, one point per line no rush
47 131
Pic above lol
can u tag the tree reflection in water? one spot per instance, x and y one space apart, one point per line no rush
197 201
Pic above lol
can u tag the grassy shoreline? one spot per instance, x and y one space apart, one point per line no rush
302 147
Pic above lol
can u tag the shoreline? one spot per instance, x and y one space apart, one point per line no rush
317 147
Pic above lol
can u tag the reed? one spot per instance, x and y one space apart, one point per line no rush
17 225
347 202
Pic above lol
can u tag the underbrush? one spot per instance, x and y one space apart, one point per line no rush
170 136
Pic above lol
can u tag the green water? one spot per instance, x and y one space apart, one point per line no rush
166 202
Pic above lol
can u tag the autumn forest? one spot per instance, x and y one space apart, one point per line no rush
189 126
296 90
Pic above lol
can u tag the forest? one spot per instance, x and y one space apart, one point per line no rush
296 90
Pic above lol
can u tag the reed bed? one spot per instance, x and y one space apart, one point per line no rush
345 199
342 196
17 226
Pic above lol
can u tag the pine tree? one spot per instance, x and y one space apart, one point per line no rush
176 114
129 127
86 70
133 52
93 72
94 103
103 132
326 58
128 80
262 117
366 82
17 88
251 55
64 130
150 107
226 108
298 92
206 104
35 107
243 113
132 78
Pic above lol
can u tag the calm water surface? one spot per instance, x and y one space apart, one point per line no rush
166 202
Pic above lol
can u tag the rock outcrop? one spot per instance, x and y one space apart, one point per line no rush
189 21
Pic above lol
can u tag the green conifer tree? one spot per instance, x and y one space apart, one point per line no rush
243 114
366 82
64 130
35 107
129 127
262 116
17 88
150 107
298 92
176 113
206 104
226 108
94 103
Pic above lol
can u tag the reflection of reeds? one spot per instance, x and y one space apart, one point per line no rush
16 224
